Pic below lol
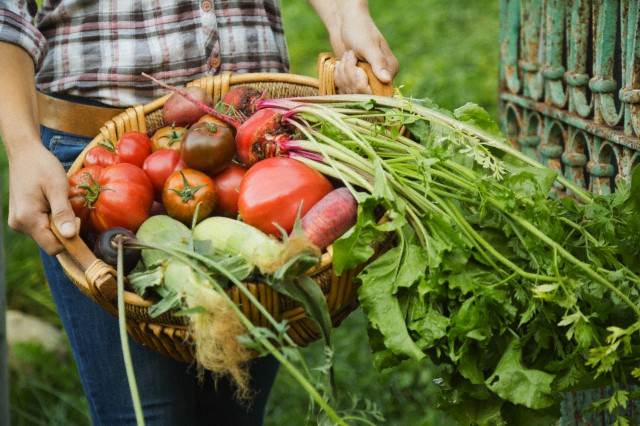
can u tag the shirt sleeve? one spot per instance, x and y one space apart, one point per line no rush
16 27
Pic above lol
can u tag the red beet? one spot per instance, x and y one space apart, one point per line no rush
182 112
261 136
243 100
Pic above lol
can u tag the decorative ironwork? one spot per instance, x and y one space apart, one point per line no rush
570 97
570 86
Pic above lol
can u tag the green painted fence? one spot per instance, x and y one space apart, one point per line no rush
570 97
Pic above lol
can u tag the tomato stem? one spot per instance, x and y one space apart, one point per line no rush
187 192
92 189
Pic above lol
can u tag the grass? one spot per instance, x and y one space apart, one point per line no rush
448 51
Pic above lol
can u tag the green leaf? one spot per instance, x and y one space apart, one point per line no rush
514 382
382 307
476 115
356 246
634 191
309 294
146 280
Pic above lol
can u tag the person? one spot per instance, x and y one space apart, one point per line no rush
93 53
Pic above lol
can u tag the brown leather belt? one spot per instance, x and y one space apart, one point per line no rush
73 117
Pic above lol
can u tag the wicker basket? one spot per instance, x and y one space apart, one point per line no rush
168 334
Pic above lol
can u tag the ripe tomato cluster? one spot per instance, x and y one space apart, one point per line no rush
189 172
176 168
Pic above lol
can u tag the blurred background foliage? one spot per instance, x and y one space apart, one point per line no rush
448 51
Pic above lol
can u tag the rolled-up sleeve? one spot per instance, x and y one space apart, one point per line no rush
16 27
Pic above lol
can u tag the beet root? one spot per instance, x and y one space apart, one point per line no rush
243 100
262 136
180 111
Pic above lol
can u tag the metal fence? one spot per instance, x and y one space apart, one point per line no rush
570 86
570 97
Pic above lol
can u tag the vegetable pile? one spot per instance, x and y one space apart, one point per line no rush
519 283
174 197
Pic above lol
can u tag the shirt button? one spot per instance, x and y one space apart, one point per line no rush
206 5
214 62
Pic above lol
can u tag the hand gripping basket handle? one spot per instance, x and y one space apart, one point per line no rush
326 67
92 275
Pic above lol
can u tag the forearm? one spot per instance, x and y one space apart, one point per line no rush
333 14
18 106
38 185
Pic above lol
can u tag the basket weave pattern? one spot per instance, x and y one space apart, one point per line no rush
168 334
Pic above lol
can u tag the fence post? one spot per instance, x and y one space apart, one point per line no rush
4 349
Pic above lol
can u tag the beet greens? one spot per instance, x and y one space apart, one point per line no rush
521 283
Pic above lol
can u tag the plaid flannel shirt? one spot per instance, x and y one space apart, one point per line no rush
98 49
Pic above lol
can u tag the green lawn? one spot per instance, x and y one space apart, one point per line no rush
448 51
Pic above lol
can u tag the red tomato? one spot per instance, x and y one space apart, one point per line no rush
133 147
120 195
273 189
187 189
168 137
228 184
160 164
102 155
80 184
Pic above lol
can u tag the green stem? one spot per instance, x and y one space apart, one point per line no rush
186 256
124 341
583 266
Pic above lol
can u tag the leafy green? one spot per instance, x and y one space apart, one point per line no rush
520 282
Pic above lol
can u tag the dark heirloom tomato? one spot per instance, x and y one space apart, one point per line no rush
102 155
208 148
228 185
188 189
170 137
133 147
273 189
120 195
160 164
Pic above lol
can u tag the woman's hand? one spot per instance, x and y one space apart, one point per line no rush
355 37
38 186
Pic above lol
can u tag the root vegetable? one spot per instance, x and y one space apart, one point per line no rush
179 111
243 100
330 217
261 136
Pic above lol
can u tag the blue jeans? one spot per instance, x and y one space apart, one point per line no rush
169 390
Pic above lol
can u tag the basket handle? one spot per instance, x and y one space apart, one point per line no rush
95 278
326 67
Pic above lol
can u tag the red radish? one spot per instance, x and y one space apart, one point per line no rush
179 111
330 217
272 191
243 100
261 136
